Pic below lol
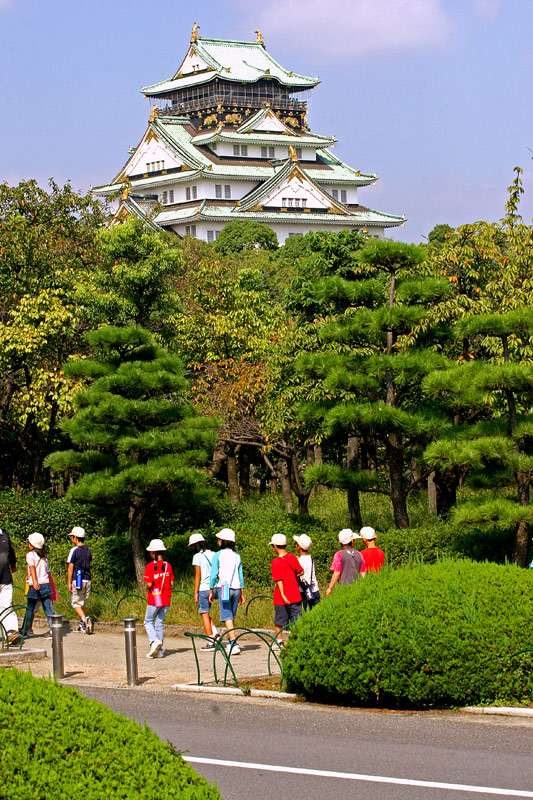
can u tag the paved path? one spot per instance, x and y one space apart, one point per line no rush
99 660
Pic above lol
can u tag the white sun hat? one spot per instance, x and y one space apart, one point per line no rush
156 546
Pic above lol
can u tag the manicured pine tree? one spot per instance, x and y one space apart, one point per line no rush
496 448
137 440
371 373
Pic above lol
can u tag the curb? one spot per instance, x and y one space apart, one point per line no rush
502 711
18 656
228 690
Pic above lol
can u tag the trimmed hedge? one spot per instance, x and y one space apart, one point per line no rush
56 743
427 635
254 523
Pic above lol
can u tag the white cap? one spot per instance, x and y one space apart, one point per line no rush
367 533
194 538
36 540
304 541
226 535
346 536
79 533
279 539
156 546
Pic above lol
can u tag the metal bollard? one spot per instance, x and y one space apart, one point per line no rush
57 646
130 637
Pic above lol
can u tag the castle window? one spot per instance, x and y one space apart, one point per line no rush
227 192
335 194
267 152
217 234
218 191
187 192
244 149
298 152
194 191
190 230
236 150
171 196
304 202
210 236
289 202
165 198
297 202
343 195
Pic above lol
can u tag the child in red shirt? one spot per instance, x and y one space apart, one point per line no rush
287 598
373 556
159 579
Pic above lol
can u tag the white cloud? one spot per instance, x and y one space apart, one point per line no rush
352 28
487 8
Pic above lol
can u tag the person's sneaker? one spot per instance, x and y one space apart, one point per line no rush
48 635
278 644
155 648
27 635
88 625
233 649
80 629
13 637
208 645
160 654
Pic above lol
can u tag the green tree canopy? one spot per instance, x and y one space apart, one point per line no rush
245 235
137 440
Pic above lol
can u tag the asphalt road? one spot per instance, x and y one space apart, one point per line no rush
475 756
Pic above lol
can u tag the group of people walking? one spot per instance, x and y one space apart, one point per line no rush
217 576
39 586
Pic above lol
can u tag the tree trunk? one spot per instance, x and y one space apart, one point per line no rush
432 493
233 482
396 481
521 542
244 471
218 460
352 462
446 484
136 517
286 486
297 486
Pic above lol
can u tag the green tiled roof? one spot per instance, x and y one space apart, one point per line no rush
367 217
259 137
232 60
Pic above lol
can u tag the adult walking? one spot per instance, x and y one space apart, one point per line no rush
38 581
159 580
8 565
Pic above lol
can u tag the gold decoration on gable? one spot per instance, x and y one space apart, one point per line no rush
153 113
291 121
233 119
194 33
151 135
257 207
259 39
212 119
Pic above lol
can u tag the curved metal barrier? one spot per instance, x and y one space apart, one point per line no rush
256 597
265 637
3 632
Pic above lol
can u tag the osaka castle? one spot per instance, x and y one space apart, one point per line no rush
228 139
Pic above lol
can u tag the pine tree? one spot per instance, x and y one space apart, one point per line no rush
494 449
137 440
370 372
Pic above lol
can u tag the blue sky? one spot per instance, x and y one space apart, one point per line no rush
432 95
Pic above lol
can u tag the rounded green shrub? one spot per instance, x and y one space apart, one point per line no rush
426 635
56 743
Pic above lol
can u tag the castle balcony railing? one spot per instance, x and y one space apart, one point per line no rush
229 101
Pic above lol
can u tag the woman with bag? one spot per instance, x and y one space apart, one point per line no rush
159 579
38 582
226 576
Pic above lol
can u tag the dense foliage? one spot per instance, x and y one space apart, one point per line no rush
443 634
56 743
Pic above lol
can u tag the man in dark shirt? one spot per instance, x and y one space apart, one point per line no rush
8 564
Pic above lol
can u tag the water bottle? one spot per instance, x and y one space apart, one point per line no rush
79 582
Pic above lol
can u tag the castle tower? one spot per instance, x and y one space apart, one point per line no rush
228 139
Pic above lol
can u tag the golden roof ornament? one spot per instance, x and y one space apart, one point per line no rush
292 153
259 39
125 193
194 34
153 113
